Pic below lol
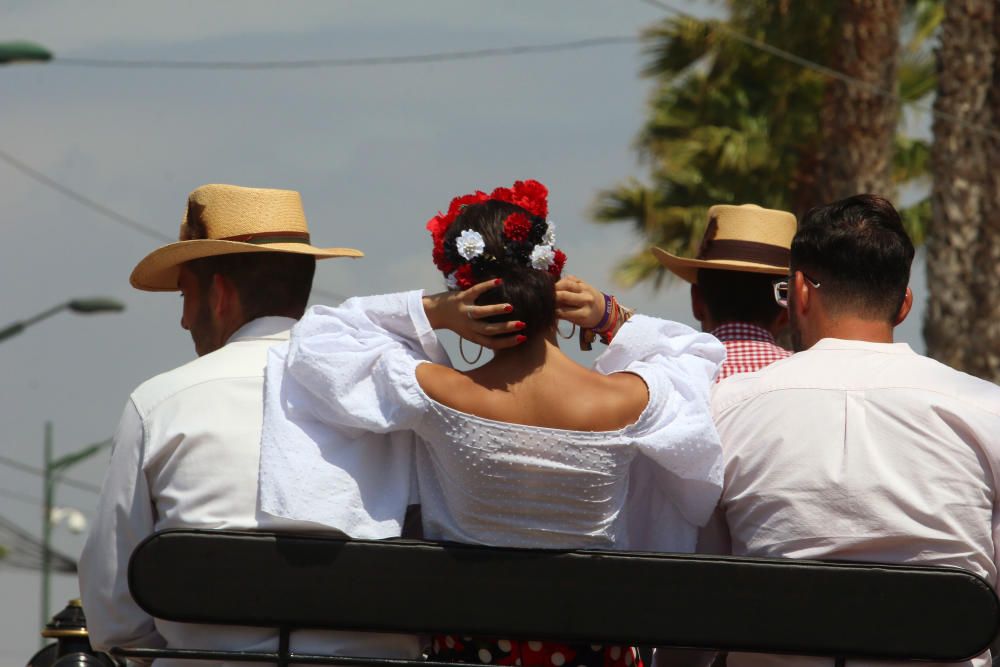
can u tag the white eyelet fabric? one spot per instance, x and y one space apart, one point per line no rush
351 369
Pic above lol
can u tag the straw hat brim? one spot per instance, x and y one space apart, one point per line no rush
687 269
157 272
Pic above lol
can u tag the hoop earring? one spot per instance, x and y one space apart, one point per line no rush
461 351
572 332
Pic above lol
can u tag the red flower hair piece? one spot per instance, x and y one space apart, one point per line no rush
529 195
441 260
558 262
464 277
517 227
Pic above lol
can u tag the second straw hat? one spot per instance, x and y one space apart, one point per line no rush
738 238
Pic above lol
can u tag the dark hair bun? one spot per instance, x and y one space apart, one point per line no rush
530 291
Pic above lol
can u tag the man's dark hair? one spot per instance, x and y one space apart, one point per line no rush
739 296
268 283
859 252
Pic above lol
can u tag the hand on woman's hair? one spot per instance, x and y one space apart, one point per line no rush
578 302
458 312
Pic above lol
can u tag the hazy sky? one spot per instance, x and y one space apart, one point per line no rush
374 151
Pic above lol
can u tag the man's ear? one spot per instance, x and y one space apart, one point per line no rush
223 297
904 308
697 303
802 293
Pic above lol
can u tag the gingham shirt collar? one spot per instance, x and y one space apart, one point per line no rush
742 331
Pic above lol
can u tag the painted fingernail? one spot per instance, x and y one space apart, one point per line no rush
497 281
520 325
521 338
508 309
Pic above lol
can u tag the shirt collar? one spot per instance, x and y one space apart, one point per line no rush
742 331
273 327
846 344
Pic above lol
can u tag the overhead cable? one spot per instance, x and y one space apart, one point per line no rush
107 212
81 199
368 61
826 71
68 481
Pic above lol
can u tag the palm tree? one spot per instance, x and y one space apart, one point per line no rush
859 121
962 315
730 123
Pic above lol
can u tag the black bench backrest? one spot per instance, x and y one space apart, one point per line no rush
802 607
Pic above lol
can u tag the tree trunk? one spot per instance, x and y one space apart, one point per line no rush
858 121
983 356
961 193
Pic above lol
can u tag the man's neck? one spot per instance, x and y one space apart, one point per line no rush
849 328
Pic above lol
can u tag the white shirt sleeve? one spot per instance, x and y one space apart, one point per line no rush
354 366
676 433
125 517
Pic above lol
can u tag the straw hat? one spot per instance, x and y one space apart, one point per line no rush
227 219
738 238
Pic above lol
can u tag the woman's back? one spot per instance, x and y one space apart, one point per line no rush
530 453
539 387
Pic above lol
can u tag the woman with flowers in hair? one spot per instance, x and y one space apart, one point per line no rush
530 449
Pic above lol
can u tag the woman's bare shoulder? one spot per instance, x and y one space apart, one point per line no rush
443 384
626 396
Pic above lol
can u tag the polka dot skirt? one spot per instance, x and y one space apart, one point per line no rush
483 651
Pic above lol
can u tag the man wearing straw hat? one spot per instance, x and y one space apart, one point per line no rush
187 449
743 252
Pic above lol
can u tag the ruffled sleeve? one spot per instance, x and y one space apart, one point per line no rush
336 397
354 365
682 455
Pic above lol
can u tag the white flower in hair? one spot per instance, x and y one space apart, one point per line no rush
470 244
450 281
550 233
542 257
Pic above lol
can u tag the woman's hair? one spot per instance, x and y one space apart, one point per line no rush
529 290
505 235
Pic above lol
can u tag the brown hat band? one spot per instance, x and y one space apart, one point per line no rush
271 237
746 251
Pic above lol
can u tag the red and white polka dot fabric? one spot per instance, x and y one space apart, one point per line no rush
484 651
749 348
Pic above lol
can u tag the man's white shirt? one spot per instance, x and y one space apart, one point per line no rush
860 451
186 455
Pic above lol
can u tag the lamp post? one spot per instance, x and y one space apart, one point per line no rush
53 469
23 52
80 306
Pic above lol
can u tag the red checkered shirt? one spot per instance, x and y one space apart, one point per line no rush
749 348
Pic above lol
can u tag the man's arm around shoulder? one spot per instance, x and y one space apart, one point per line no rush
124 518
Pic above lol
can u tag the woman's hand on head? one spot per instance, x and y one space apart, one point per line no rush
579 302
458 312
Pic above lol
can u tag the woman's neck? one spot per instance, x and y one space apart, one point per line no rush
515 363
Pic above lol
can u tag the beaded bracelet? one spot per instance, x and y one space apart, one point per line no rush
614 316
608 302
622 316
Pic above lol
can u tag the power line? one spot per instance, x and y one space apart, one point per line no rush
824 70
370 61
68 481
107 212
21 497
81 199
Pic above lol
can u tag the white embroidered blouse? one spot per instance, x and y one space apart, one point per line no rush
646 486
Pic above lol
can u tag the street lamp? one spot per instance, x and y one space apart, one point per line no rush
81 306
23 52
50 515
